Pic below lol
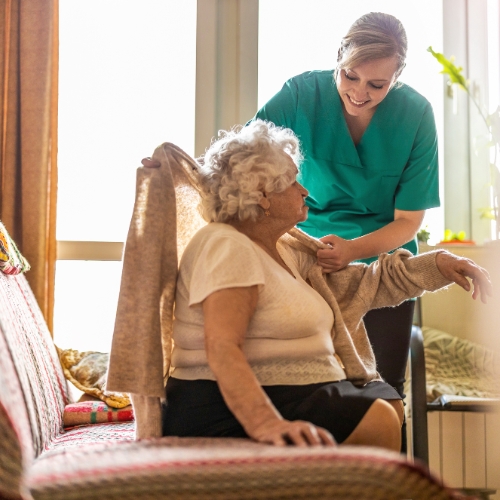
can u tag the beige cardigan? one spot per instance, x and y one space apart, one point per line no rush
164 219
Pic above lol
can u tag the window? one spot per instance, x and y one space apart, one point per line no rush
127 84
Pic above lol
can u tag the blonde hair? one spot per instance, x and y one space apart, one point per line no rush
373 36
243 163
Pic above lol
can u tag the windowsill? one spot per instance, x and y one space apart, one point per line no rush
489 245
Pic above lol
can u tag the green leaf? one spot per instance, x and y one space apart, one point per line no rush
450 69
423 235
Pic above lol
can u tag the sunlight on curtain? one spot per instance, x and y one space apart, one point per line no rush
302 35
28 135
127 84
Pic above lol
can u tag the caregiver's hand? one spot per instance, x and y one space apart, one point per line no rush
338 256
458 269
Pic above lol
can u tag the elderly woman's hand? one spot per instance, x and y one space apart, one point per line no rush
458 269
338 256
281 432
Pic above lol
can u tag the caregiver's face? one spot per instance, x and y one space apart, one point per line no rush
365 86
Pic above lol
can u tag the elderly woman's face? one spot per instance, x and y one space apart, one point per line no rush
289 206
364 87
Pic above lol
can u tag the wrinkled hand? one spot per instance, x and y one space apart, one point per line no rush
299 433
150 163
458 269
338 256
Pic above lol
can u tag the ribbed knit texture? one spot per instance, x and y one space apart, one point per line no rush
148 414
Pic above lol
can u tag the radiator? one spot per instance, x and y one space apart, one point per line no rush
464 449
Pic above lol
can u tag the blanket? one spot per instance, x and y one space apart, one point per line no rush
456 366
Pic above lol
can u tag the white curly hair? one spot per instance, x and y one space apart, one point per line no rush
243 163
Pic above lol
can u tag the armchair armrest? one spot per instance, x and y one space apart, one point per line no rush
418 396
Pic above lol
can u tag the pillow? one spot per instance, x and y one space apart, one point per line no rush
95 412
456 366
11 260
87 372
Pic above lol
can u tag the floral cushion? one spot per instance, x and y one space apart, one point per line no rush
87 372
456 366
95 412
11 260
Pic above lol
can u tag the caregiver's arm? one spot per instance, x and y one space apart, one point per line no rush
394 235
227 314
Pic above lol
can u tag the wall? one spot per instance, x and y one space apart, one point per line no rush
453 310
464 448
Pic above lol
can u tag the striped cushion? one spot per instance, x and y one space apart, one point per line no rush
189 468
95 412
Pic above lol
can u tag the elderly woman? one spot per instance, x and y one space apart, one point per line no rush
253 352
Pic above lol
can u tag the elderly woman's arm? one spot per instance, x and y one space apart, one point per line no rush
227 314
400 276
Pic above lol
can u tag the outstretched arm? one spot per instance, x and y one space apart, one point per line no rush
399 276
227 314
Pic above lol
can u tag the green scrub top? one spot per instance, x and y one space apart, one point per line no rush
353 190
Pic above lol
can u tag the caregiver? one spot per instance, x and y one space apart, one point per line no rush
370 163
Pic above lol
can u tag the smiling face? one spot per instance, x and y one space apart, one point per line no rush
365 86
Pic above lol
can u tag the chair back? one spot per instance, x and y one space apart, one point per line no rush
33 391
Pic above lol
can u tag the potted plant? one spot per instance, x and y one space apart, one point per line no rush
492 124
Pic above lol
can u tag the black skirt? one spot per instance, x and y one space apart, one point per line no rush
196 408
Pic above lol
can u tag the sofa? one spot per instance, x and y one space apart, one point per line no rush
40 459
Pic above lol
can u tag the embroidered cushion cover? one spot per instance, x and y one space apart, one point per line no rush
11 259
95 412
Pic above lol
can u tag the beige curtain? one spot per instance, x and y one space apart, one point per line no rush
28 148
